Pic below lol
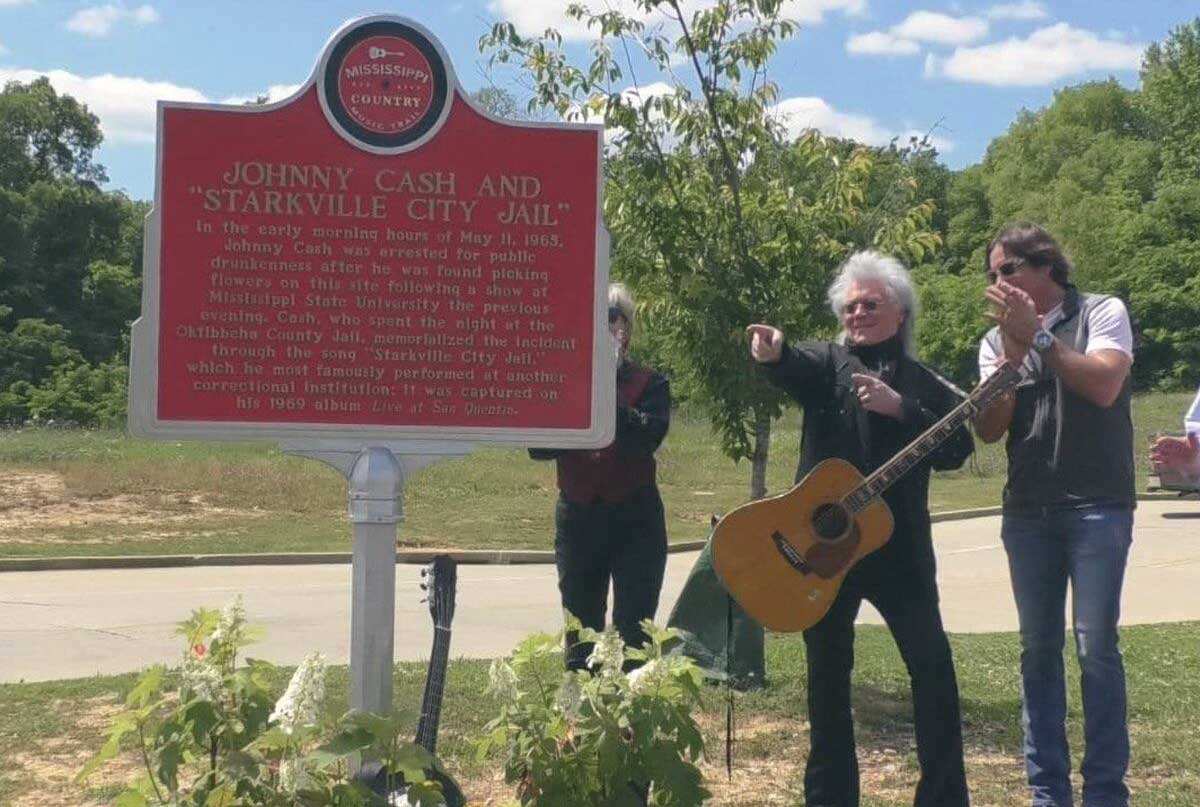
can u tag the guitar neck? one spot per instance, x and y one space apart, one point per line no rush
435 685
885 475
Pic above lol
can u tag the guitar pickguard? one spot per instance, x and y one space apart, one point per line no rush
825 559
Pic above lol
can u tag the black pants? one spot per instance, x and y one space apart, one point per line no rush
909 605
625 543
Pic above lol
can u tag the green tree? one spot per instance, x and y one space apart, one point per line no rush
498 101
1171 97
45 136
70 262
717 220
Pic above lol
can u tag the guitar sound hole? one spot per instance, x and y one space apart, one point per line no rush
830 521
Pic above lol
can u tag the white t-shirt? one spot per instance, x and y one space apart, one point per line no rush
1191 421
1108 328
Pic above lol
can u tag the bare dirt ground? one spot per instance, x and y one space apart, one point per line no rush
51 765
887 773
36 507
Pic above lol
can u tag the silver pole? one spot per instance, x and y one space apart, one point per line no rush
376 507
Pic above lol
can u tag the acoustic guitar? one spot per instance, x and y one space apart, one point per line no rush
440 581
784 558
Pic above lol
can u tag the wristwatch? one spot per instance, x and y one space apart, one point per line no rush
1042 340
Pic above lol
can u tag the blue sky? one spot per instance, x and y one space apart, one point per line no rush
860 68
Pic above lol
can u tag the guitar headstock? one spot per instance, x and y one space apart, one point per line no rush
999 382
440 580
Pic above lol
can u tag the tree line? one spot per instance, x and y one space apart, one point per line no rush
718 217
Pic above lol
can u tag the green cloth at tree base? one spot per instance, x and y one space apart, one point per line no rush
716 632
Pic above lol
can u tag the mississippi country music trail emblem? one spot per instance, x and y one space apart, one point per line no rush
385 85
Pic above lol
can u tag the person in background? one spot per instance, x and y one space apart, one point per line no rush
609 521
1181 455
865 398
1068 502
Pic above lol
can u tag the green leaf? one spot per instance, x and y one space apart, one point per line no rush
224 795
273 739
203 717
148 685
348 741
240 764
130 798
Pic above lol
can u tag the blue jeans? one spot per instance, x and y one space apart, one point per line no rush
1088 546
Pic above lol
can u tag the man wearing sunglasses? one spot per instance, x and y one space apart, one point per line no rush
1068 502
865 397
609 522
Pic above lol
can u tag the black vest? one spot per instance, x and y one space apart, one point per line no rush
1063 450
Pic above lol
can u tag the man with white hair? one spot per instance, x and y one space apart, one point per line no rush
609 521
865 397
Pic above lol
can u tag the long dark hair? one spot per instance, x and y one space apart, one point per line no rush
1035 245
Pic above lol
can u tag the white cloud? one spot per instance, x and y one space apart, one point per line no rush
921 26
125 105
532 17
1028 10
99 21
932 65
803 113
930 26
643 94
1044 57
276 92
881 43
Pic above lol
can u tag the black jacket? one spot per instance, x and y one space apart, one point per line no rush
817 376
640 428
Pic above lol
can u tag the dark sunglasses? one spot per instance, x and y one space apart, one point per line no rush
1006 268
867 305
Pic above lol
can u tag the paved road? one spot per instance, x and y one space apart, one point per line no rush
71 624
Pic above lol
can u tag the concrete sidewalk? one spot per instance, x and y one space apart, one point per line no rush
66 624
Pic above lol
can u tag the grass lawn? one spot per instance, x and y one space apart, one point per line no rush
48 730
73 492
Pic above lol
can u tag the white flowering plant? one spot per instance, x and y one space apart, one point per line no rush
599 736
211 735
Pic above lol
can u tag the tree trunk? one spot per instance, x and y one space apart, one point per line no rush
758 461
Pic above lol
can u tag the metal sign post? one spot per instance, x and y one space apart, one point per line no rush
376 476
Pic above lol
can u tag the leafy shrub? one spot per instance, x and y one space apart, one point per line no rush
599 736
218 739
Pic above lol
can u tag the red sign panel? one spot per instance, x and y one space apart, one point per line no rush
375 252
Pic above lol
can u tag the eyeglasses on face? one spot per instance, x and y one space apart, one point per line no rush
1005 269
867 304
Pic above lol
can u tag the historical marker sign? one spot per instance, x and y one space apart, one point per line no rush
374 259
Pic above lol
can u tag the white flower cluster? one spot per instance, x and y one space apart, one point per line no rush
646 679
608 654
502 680
201 677
233 616
569 697
301 703
288 769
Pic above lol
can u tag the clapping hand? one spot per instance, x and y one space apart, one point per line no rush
1016 314
1180 454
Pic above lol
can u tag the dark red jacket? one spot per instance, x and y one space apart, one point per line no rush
614 473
